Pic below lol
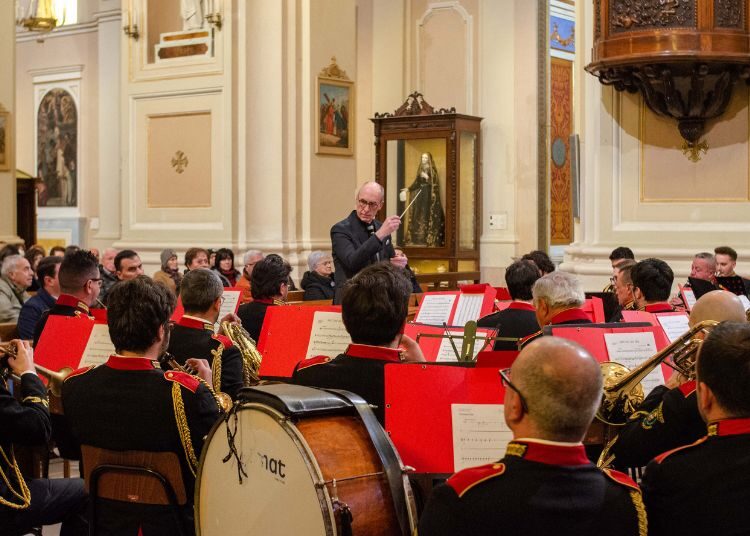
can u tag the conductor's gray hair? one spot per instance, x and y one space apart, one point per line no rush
559 289
250 254
10 265
315 258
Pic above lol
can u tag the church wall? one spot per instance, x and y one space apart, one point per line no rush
7 100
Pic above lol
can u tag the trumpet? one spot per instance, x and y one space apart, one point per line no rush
223 400
54 379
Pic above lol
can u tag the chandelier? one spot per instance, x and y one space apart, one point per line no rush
38 17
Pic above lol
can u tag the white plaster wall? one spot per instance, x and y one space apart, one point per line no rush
7 100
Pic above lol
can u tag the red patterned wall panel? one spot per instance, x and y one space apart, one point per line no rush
561 126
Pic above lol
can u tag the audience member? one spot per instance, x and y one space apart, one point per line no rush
169 275
107 270
224 266
57 251
7 250
45 297
399 254
34 255
269 284
196 258
128 265
652 284
15 278
542 261
250 259
318 282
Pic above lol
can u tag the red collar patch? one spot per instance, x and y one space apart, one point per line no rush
661 307
267 301
119 362
365 351
729 427
194 323
687 388
71 301
549 454
568 315
464 480
521 306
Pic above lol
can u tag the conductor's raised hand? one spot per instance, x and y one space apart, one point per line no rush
390 225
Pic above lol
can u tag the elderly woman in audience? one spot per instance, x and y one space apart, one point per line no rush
15 278
224 265
318 282
169 275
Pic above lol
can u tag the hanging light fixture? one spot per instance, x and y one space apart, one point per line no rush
38 17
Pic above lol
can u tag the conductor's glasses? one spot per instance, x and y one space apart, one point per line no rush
372 205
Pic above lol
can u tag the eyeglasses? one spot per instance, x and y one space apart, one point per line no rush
371 205
613 280
505 379
97 280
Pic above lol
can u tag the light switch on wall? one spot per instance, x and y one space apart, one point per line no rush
499 222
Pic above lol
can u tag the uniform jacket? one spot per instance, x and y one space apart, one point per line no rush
355 248
538 488
360 369
517 321
32 311
703 488
66 305
252 316
11 300
569 316
194 337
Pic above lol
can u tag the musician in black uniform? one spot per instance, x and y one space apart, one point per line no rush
269 283
652 283
622 286
544 484
558 298
361 240
80 283
129 403
374 308
704 488
24 505
519 319
193 335
668 418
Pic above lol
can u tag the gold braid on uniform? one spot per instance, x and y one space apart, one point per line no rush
25 495
36 400
216 366
635 496
182 427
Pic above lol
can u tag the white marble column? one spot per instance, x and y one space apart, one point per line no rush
7 100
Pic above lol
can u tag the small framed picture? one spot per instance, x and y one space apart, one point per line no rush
4 140
335 116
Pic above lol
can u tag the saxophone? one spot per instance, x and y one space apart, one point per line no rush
251 357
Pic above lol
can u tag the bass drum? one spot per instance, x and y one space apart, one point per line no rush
315 463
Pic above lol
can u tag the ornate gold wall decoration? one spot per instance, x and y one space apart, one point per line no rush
693 151
180 162
334 71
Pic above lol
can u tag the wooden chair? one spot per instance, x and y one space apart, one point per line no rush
8 331
136 477
295 295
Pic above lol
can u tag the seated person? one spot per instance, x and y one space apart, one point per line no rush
519 319
703 267
622 286
542 261
107 269
224 265
557 297
703 488
45 297
129 403
399 255
652 283
544 484
15 277
128 265
193 335
374 307
169 275
668 418
25 505
250 259
318 282
270 284
196 258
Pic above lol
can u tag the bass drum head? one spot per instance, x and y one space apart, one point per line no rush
278 496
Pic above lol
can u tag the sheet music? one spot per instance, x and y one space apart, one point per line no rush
673 325
446 353
98 348
435 309
480 434
632 349
229 305
690 298
469 308
328 335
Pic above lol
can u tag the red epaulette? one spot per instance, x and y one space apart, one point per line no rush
687 388
621 478
317 360
80 371
223 339
464 480
188 381
663 456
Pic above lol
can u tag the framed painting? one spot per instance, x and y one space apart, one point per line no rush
4 140
335 125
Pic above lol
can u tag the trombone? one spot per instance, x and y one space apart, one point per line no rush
54 379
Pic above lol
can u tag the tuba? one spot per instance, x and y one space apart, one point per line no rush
251 357
623 391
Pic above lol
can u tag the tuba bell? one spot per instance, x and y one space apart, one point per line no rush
251 357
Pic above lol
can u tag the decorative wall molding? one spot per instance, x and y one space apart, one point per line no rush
26 36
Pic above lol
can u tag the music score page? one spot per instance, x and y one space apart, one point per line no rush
673 325
469 308
98 348
435 309
480 434
328 336
632 349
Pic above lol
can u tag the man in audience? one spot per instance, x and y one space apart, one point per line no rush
518 320
270 286
652 284
542 261
557 297
251 258
703 488
128 265
15 277
620 254
107 269
544 484
374 307
45 297
130 404
193 336
622 286
668 417
57 251
196 258
26 421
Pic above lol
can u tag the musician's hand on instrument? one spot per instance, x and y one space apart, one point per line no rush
411 351
23 361
232 319
676 379
201 368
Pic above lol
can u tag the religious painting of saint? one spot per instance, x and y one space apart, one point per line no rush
4 140
335 117
57 149
425 225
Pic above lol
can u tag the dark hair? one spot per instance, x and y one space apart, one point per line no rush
625 266
135 310
724 366
77 267
8 250
192 253
621 253
124 254
726 250
374 304
520 277
542 261
654 277
221 254
46 268
55 249
199 289
33 252
71 248
268 275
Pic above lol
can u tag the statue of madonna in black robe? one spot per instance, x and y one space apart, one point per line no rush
426 226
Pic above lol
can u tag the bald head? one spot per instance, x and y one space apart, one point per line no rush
718 305
368 201
562 386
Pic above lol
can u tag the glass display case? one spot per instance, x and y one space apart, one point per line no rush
428 162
